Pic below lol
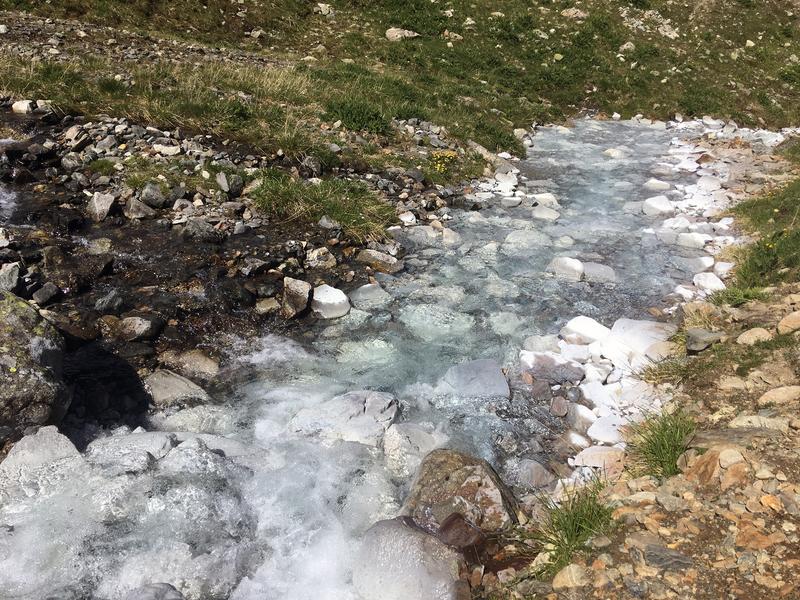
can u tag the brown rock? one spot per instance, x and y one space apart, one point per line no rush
789 323
450 482
705 469
736 475
751 538
782 395
753 336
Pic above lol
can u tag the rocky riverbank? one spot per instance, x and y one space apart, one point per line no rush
181 243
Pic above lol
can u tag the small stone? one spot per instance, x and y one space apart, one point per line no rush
10 277
49 291
296 296
380 261
22 107
533 474
396 34
567 268
698 339
267 306
571 577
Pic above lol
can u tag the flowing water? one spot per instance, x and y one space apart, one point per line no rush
279 516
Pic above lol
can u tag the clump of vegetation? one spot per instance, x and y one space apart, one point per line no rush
737 296
569 524
359 115
656 443
669 370
360 212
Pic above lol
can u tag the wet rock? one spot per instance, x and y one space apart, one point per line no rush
397 561
110 304
296 296
567 268
155 591
32 452
100 206
476 378
380 261
658 206
329 303
406 444
200 230
47 293
369 296
140 327
32 388
267 306
453 482
359 416
597 273
551 367
169 389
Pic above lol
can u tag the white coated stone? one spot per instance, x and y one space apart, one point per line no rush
708 282
656 185
329 302
658 206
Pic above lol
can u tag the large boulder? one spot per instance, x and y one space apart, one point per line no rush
32 390
398 561
454 482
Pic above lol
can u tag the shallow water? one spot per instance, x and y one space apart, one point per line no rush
283 520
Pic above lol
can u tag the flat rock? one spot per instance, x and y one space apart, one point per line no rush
754 336
571 577
584 330
170 389
708 282
789 323
380 261
780 396
601 457
551 367
370 296
597 273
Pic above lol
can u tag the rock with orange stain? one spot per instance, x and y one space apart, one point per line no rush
705 468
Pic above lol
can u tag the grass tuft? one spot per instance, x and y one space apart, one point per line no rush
569 524
656 443
670 370
737 296
361 213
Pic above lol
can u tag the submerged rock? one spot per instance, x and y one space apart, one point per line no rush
453 482
397 561
32 388
360 416
476 378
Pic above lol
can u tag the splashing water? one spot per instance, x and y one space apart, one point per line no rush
279 516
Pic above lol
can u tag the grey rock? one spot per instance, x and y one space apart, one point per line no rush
664 558
10 277
140 327
110 304
100 206
48 292
136 209
476 378
32 389
153 196
698 339
169 389
397 561
155 591
199 230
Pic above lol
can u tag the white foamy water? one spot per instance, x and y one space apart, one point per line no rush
270 502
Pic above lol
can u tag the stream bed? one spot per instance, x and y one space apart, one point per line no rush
266 493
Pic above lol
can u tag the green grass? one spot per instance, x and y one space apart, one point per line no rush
568 525
656 443
359 210
102 166
737 296
775 256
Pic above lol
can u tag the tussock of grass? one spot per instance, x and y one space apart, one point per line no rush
656 443
569 524
737 296
362 214
670 370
